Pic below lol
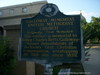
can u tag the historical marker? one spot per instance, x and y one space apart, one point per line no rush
51 36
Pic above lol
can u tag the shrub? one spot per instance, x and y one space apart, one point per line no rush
7 59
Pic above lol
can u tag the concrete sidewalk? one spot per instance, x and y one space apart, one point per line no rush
92 66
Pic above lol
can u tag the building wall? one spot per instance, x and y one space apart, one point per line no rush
32 8
11 23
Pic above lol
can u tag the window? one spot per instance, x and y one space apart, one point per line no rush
11 11
24 10
1 13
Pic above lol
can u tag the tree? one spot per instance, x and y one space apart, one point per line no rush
96 27
91 30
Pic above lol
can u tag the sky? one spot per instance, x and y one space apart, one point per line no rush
88 8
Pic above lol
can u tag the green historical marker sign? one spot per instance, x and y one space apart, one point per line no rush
51 36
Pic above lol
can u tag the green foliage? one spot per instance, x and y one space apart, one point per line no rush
7 59
96 27
91 30
91 33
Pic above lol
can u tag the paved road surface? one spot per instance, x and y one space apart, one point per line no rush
93 65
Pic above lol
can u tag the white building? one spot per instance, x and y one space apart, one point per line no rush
10 20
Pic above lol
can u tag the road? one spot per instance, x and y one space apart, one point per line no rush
92 66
